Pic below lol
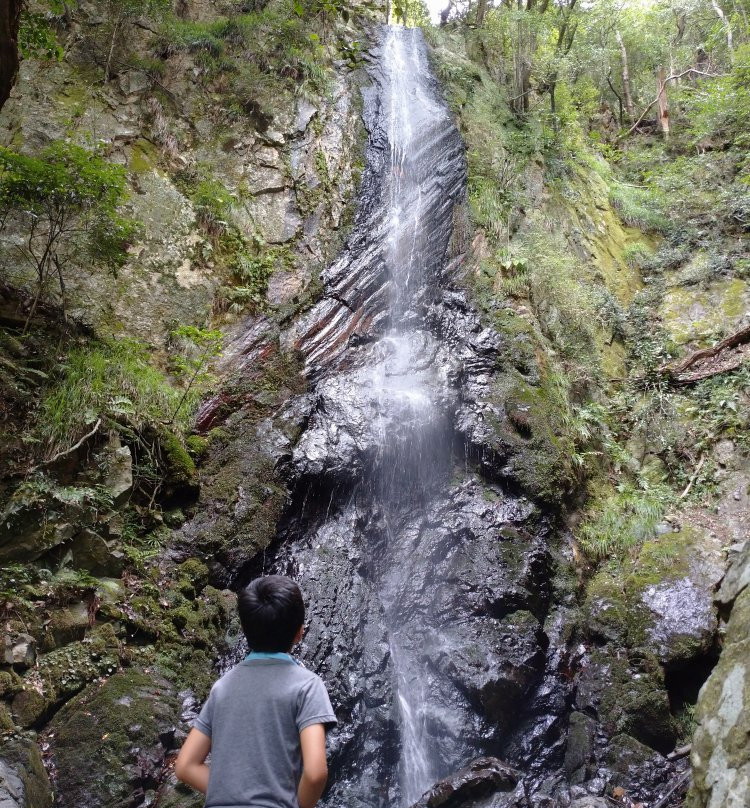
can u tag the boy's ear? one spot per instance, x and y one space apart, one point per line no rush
299 635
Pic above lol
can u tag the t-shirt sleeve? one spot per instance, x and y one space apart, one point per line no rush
314 706
204 720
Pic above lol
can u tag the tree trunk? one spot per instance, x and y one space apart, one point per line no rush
481 12
662 105
727 28
625 77
10 14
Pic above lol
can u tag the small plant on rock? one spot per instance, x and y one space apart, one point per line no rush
65 203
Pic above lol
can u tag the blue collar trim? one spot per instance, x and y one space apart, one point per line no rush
270 655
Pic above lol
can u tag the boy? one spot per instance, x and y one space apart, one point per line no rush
265 720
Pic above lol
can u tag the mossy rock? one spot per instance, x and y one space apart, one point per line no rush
193 577
65 626
10 684
197 446
62 673
20 758
605 608
636 704
529 436
122 729
180 474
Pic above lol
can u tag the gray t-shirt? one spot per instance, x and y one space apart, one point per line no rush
254 715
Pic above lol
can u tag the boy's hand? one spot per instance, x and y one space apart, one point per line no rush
190 766
314 767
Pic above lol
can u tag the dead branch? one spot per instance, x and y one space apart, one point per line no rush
72 448
662 84
678 373
694 477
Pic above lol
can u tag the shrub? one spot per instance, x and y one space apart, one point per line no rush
64 200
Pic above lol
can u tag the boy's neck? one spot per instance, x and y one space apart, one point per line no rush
283 655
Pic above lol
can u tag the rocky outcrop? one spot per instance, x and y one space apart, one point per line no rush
720 756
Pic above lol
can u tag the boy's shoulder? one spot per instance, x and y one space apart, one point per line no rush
274 674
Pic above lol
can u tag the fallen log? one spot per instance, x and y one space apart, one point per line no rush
728 355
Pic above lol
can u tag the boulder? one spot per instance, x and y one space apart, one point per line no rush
471 787
62 673
23 779
119 476
123 729
91 552
20 650
66 625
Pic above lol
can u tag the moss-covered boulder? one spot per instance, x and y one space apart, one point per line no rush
62 673
720 756
122 729
23 779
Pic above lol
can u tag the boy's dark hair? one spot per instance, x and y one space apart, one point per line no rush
271 612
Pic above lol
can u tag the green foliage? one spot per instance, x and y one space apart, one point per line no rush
195 348
64 177
36 37
114 381
623 520
258 54
636 254
638 207
719 408
718 110
65 200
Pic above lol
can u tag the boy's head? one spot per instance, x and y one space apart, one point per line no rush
271 612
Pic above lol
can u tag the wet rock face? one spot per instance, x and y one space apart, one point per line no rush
720 757
481 783
468 624
429 583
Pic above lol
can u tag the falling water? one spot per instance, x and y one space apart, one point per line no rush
423 455
385 517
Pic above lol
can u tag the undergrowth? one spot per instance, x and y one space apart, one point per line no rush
114 381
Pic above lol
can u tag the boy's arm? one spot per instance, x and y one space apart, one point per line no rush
314 767
190 766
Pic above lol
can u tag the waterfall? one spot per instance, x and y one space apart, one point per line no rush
420 605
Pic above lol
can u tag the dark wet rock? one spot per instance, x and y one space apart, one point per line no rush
580 746
23 780
480 784
122 728
684 621
591 802
627 695
635 767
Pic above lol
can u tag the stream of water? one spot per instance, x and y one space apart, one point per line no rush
397 544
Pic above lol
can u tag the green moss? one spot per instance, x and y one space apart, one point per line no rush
638 705
180 467
62 673
193 577
10 684
197 445
143 156
107 726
